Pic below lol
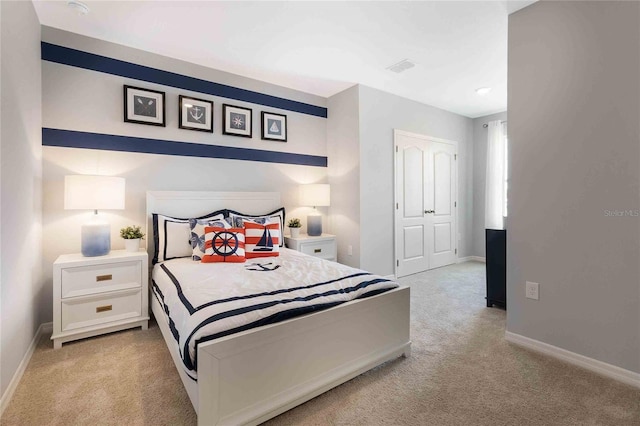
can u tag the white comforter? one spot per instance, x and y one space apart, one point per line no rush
204 301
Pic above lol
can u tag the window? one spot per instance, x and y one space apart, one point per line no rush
505 165
497 173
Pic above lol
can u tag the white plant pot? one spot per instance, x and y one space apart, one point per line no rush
132 245
295 232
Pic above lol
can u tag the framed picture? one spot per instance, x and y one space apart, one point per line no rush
274 127
144 106
196 114
236 121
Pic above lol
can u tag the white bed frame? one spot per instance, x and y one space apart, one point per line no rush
252 376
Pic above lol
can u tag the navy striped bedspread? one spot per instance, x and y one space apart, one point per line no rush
203 302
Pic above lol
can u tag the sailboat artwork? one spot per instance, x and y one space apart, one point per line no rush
265 243
274 126
274 129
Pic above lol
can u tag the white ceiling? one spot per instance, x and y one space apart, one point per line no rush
321 47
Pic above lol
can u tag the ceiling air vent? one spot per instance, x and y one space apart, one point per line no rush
401 66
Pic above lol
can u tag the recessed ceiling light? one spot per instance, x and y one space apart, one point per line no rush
483 90
81 8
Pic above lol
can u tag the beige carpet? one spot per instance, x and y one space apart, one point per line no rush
461 372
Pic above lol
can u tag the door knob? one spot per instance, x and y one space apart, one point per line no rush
429 211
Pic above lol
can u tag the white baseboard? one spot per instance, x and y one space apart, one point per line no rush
45 328
472 259
599 367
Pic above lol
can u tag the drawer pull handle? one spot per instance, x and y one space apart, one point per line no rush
317 251
104 308
104 278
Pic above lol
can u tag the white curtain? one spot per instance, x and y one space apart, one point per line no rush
495 192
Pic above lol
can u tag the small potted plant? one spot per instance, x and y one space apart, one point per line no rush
132 236
294 227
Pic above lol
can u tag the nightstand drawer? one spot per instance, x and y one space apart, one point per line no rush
92 310
85 280
324 249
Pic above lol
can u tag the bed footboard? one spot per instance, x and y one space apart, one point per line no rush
250 377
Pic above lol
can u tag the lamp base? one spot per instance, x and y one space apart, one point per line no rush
314 225
96 238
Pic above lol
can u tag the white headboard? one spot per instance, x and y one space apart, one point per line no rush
186 204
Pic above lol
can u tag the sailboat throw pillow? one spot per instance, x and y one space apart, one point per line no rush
262 240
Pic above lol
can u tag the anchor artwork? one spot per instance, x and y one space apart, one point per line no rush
196 114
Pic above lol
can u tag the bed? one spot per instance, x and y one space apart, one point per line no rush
250 376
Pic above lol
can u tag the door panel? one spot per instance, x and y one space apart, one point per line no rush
441 237
425 226
442 165
413 242
413 159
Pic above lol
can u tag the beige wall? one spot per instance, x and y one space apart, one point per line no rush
84 100
361 163
380 113
574 153
23 292
343 146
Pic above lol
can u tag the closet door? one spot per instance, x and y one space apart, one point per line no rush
412 221
425 190
442 181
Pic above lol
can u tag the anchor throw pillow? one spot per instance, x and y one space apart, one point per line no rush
262 240
223 245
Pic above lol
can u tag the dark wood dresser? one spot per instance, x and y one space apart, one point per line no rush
496 255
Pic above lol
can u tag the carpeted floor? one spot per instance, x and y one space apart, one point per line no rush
461 372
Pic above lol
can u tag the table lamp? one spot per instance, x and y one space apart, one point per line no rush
315 195
85 192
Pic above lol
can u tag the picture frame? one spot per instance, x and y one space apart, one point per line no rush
237 121
144 106
195 114
274 127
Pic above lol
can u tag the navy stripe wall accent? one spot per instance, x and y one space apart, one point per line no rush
75 139
91 61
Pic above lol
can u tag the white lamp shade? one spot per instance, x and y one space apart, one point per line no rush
86 192
315 195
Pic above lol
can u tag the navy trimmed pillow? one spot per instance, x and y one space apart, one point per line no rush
172 235
170 238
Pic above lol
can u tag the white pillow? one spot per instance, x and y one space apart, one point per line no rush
172 236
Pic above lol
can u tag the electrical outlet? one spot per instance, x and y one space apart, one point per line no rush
532 290
350 250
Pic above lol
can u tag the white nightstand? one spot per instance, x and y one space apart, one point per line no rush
97 295
323 246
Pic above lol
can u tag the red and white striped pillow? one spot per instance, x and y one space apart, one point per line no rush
223 245
262 240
